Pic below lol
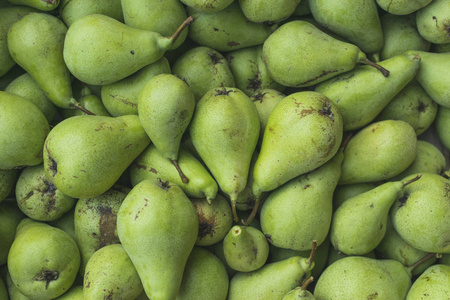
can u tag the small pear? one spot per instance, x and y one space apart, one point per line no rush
402 7
165 213
246 248
71 10
204 277
260 11
433 22
433 283
224 131
78 149
89 101
100 50
379 151
298 54
165 108
111 274
359 224
300 292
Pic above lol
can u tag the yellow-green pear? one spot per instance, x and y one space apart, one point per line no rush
10 217
260 11
441 125
208 6
157 226
433 22
433 283
71 10
89 101
402 7
74 293
42 5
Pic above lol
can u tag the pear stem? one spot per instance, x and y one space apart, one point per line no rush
376 66
313 252
347 139
233 209
420 261
180 29
413 179
253 212
183 177
86 111
306 283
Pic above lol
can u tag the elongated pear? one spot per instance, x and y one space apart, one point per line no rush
78 150
298 54
299 212
100 50
170 222
361 94
36 43
224 131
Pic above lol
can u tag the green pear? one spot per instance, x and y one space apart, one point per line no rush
152 164
121 97
95 222
400 35
429 159
27 130
227 29
260 11
67 224
78 149
246 248
300 292
10 75
204 277
71 10
347 191
421 216
402 7
208 6
224 131
298 54
203 68
100 50
412 105
217 250
26 87
302 116
441 125
433 22
74 293
357 21
157 16
394 247
38 198
165 108
359 224
41 55
10 217
433 283
90 101
379 151
42 5
434 74
111 274
300 211
362 93
214 220
334 255
14 293
9 15
8 180
357 277
274 279
43 260
249 70
170 221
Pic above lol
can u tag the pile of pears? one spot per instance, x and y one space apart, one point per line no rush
224 149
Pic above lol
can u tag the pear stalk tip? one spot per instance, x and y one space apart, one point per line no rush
85 110
233 209
313 252
413 179
183 177
422 260
306 283
180 29
376 66
253 212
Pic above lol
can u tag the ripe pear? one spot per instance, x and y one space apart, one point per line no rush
10 217
260 11
433 22
379 151
433 283
27 129
111 274
78 150
100 50
357 21
89 101
71 10
360 102
157 16
412 105
121 97
224 131
300 211
298 54
227 29
357 277
165 108
43 260
205 277
402 7
203 69
300 292
421 216
167 216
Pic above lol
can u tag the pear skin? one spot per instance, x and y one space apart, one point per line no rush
71 10
433 283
